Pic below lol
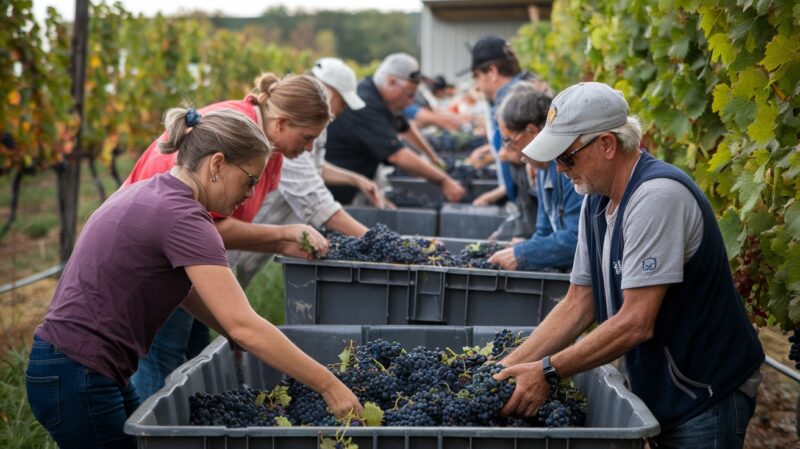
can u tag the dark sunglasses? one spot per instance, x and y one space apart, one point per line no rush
251 180
568 160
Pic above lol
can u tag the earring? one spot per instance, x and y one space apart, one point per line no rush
213 179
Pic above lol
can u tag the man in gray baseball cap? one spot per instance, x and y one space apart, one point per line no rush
651 270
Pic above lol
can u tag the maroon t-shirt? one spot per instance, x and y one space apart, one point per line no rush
125 276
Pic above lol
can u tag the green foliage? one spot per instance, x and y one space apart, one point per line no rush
362 36
18 428
136 69
717 87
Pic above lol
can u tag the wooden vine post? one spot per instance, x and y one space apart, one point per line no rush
70 171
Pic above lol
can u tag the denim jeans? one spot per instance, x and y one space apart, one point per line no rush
167 352
722 426
81 408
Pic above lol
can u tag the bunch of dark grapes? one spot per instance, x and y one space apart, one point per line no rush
236 408
504 342
307 407
749 278
794 350
420 387
381 244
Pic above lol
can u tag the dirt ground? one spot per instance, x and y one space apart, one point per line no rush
772 427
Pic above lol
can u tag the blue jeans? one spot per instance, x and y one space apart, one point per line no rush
167 352
81 408
723 426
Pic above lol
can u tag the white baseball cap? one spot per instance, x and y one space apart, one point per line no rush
580 109
335 73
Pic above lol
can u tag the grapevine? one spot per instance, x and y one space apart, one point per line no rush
715 85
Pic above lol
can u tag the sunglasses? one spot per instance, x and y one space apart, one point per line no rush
568 160
251 180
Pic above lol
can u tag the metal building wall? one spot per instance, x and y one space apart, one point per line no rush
442 48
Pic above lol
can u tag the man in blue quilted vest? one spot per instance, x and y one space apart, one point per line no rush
652 271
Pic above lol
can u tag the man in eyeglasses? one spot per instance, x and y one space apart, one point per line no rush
652 271
361 140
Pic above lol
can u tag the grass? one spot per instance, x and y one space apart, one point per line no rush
31 245
18 428
266 293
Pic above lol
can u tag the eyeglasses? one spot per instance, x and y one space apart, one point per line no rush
251 180
508 141
409 93
568 160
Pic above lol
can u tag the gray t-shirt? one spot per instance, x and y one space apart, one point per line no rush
125 276
662 229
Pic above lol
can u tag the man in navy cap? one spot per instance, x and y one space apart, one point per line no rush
652 271
495 70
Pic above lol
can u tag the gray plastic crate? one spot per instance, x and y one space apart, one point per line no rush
408 221
429 193
350 292
615 418
468 221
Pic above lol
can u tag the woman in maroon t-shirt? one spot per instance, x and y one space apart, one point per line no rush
136 260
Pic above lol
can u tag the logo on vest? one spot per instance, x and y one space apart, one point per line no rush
617 267
649 265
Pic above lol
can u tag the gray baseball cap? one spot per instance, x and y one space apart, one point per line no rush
583 108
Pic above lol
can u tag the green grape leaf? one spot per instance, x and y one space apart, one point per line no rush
327 443
759 221
677 124
679 48
710 16
282 421
720 158
749 83
280 395
749 191
721 48
780 50
792 217
731 228
790 270
762 128
740 110
794 308
262 396
373 415
722 95
344 356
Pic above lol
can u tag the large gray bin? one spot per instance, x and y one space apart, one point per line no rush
350 292
468 221
615 417
429 193
408 221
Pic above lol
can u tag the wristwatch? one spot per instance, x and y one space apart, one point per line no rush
550 373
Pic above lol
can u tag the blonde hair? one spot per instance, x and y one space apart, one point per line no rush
299 98
226 131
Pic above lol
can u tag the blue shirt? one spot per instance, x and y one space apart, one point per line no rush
557 218
496 140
